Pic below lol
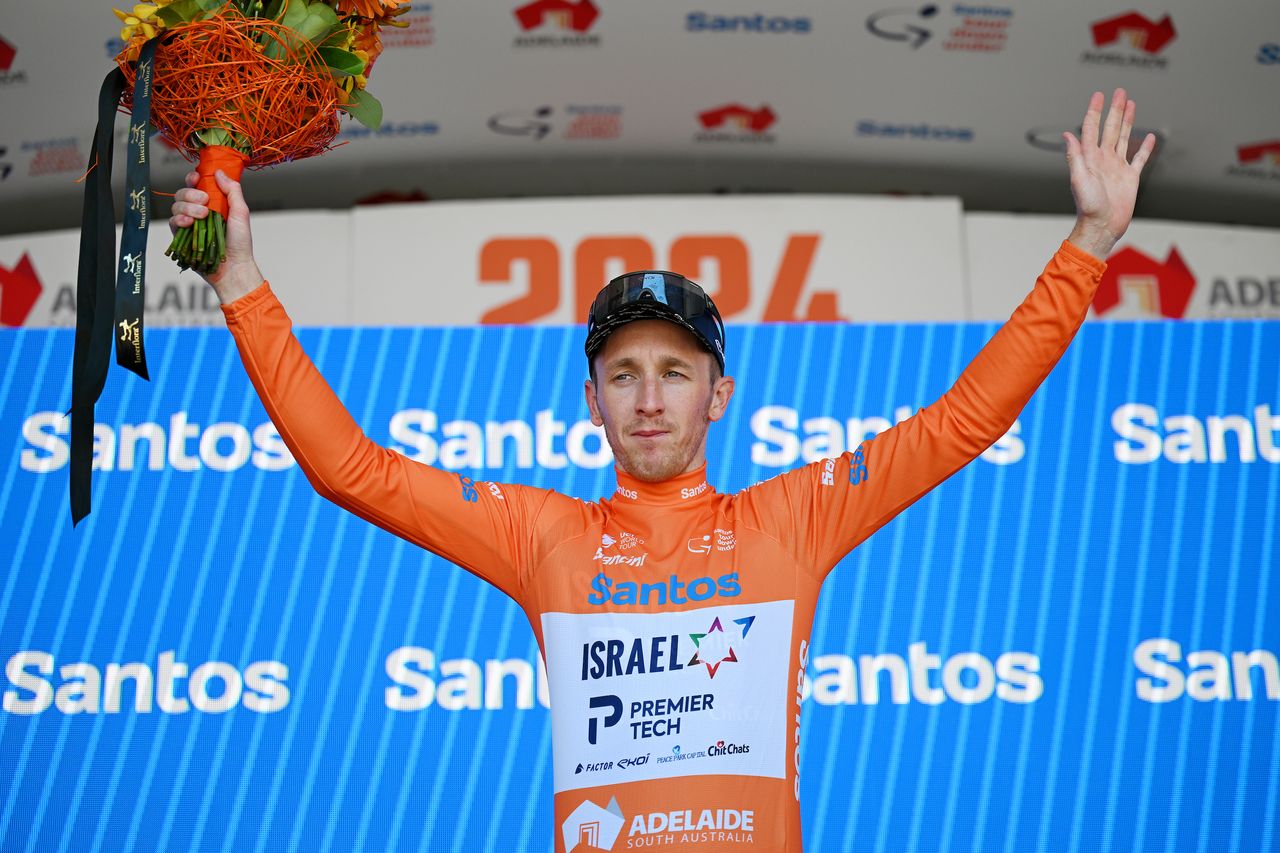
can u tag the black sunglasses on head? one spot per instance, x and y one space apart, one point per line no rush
655 293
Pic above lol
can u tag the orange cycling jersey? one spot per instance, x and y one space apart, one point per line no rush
673 620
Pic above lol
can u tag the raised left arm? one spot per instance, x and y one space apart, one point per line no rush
872 483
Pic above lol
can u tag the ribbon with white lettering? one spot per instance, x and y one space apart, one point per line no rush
137 221
95 298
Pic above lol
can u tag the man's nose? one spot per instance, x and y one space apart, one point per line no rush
650 400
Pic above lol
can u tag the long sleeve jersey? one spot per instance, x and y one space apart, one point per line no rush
673 620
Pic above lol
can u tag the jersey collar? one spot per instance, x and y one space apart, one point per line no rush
685 489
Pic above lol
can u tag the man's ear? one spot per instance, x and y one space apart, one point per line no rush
721 394
589 388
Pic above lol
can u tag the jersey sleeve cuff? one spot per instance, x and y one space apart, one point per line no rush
1082 258
239 308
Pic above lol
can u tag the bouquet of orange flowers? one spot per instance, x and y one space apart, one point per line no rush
231 84
252 83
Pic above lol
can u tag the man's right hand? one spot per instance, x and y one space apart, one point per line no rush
238 274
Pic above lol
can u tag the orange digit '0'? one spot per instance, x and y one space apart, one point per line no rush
543 258
730 255
591 262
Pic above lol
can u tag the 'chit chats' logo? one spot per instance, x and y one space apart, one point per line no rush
1137 285
1145 40
557 23
593 826
736 123
19 290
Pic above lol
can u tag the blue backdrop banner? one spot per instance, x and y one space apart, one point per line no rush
1069 646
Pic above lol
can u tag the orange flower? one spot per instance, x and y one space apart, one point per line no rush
369 42
369 8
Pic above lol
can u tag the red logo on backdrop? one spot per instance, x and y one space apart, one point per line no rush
756 121
577 16
19 290
1260 151
1162 289
7 53
1139 30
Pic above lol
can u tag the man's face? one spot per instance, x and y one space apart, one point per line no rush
655 393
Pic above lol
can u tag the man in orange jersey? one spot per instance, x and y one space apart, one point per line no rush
674 620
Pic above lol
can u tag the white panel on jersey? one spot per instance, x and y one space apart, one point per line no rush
638 696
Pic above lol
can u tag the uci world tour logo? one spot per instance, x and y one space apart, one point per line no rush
1145 40
1137 285
19 290
557 23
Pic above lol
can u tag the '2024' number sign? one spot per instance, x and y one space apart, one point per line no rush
594 255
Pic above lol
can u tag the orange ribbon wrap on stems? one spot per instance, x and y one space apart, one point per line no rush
213 158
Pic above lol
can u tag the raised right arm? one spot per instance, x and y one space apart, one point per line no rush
486 531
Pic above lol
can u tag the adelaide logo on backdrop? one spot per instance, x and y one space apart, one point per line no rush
1137 285
592 825
737 123
960 27
1257 160
557 23
20 287
1131 40
9 76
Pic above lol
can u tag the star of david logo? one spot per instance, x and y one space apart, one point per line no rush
715 645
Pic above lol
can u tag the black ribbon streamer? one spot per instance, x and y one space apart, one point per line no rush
137 221
97 305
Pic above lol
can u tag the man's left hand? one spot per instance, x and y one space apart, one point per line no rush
1103 181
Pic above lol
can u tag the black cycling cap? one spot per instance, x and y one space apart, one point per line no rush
655 294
